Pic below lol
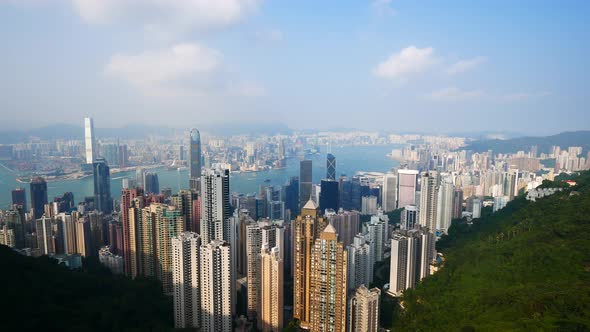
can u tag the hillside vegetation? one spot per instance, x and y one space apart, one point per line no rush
525 268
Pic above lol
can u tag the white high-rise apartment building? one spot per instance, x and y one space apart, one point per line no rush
389 195
444 205
186 280
406 189
376 231
360 262
428 200
217 287
215 206
369 205
89 140
409 217
411 255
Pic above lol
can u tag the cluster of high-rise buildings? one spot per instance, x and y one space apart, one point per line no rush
221 255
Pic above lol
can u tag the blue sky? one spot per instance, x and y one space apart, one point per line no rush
429 66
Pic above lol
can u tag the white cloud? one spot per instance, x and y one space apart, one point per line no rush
166 71
462 66
171 16
383 7
454 94
410 60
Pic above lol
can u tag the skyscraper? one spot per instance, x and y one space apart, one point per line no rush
363 314
83 238
194 158
19 197
328 283
409 217
347 224
217 286
129 229
407 180
389 195
360 262
102 186
428 200
305 181
271 292
186 280
184 201
457 203
331 167
44 229
38 196
376 232
215 206
306 230
329 195
411 255
292 195
151 183
89 140
139 177
168 222
345 193
444 205
267 234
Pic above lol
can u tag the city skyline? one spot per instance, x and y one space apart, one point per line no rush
252 60
259 165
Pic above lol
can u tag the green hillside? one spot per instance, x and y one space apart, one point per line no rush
40 295
526 268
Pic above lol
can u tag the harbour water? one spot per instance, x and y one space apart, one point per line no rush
349 160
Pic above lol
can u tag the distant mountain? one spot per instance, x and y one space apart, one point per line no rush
524 268
68 131
544 144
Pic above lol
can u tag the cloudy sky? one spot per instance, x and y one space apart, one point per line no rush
442 66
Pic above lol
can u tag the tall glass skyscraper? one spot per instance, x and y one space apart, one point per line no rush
194 158
305 181
38 196
102 186
89 140
19 197
331 167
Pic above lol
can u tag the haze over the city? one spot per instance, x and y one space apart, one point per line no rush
395 65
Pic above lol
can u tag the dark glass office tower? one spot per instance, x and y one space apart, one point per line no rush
194 158
305 181
19 197
38 196
102 186
152 184
65 203
329 195
345 192
331 167
292 195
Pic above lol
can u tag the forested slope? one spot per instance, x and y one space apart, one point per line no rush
526 268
